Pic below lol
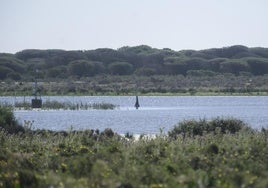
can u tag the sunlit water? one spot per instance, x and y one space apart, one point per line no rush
154 114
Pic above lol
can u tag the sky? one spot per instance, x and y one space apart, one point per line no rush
92 24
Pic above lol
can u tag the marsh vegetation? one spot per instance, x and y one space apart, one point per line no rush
56 105
216 153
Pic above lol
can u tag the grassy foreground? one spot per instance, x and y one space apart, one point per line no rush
216 153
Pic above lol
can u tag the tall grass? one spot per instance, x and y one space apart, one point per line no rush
91 158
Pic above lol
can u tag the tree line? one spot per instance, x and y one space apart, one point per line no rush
139 60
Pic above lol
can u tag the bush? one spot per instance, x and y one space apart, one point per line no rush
120 68
198 128
8 122
226 125
103 159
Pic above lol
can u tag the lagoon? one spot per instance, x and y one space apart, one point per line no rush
155 113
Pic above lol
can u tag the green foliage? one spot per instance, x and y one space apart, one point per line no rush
226 52
12 63
85 68
104 55
4 72
234 67
10 67
260 52
7 117
120 68
201 81
14 76
200 73
176 68
65 105
31 53
145 71
89 158
141 60
57 72
8 122
139 50
198 128
258 66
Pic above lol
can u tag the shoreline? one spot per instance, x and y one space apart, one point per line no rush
198 94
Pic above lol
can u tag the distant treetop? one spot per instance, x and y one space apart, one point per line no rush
126 60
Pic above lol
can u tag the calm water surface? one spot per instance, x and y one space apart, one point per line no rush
155 113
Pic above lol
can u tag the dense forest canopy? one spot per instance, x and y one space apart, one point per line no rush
139 60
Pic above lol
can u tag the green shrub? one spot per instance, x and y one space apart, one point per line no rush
198 128
120 68
91 158
226 125
189 128
8 121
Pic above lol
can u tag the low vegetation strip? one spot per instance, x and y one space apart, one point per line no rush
226 84
216 153
55 105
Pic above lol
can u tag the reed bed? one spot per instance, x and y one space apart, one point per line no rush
56 105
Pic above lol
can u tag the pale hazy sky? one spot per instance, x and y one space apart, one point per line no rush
91 24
